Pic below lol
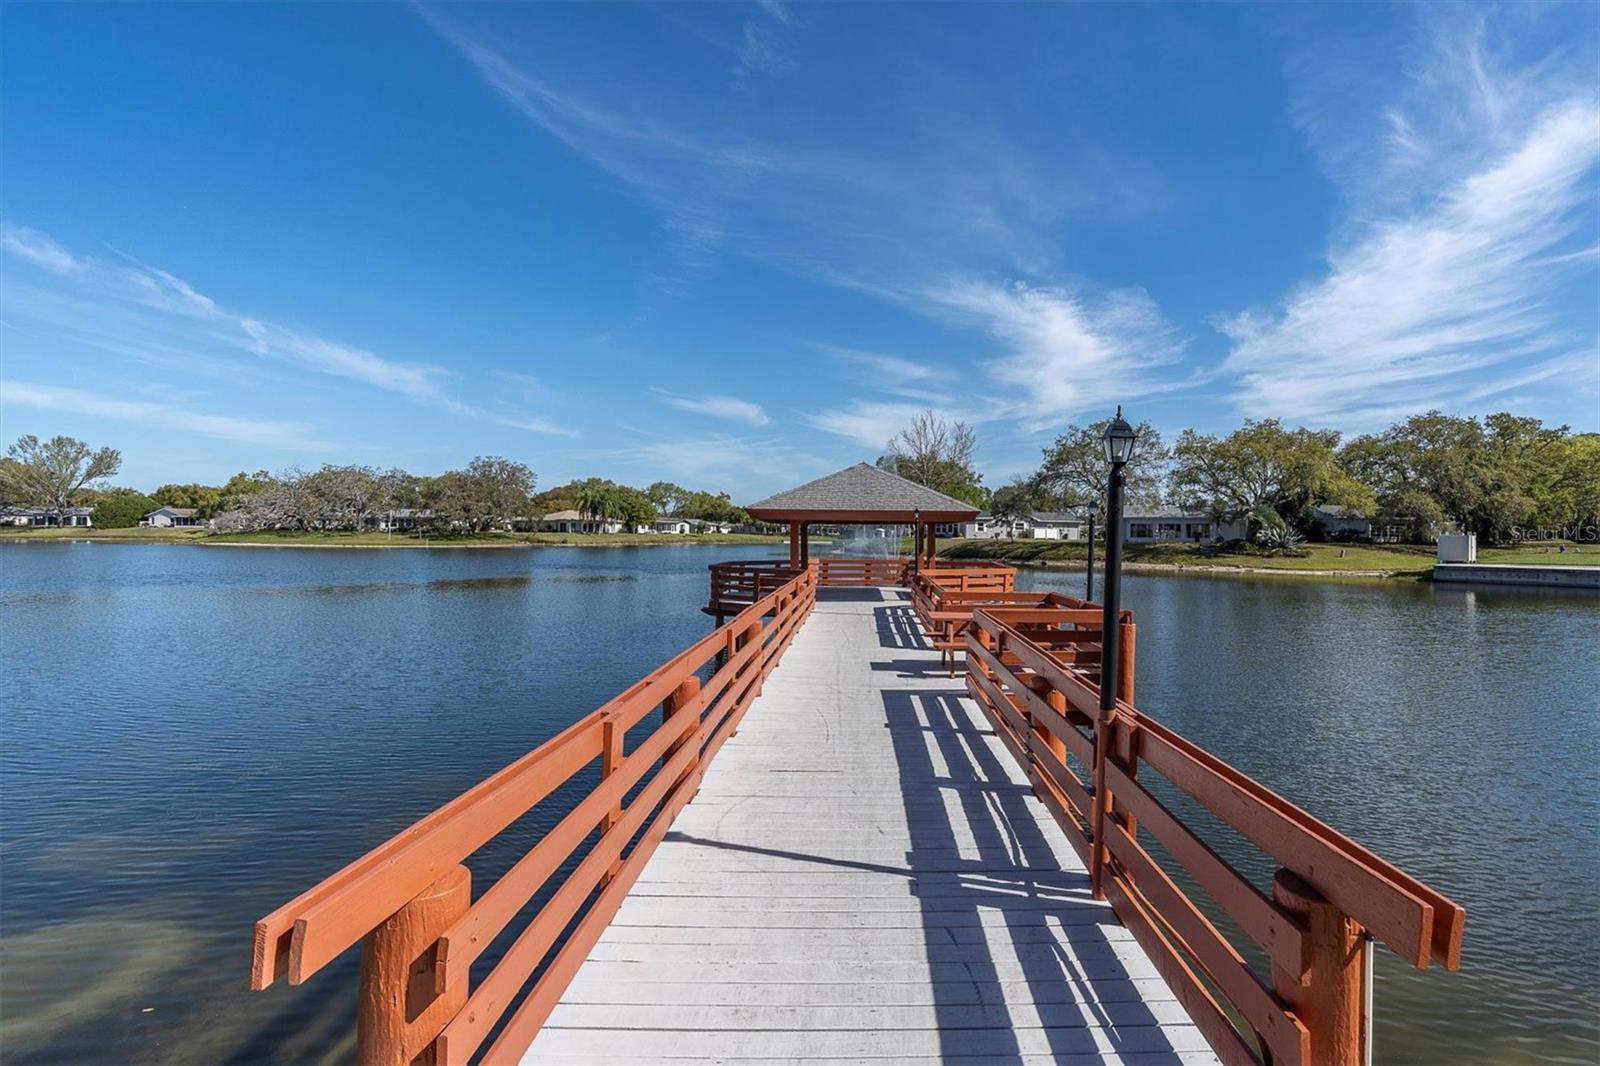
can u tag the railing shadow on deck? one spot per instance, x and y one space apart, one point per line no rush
898 627
1073 992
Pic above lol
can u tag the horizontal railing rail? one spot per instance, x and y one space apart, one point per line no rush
1100 775
945 601
409 900
737 584
837 571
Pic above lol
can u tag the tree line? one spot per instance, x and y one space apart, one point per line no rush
1502 477
488 493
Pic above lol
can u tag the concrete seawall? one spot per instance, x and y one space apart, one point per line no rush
1572 577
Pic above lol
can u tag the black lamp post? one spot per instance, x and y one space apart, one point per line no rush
1118 440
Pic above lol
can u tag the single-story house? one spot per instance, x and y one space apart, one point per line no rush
986 527
573 522
706 525
45 516
399 520
1055 525
1341 522
166 517
664 525
1176 524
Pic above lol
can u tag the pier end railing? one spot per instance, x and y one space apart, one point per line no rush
1270 974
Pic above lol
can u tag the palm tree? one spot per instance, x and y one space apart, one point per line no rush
596 502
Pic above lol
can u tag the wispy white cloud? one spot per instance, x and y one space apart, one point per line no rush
1065 352
40 249
125 306
533 424
761 41
1450 291
1053 352
747 466
729 407
289 436
872 423
123 282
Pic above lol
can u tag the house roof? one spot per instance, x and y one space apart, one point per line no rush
1056 516
1337 510
564 516
862 493
1166 512
176 512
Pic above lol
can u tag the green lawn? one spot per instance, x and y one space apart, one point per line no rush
1354 558
286 539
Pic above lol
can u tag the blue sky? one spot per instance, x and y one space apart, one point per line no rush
738 245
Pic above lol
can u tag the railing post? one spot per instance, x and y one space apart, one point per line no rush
675 703
752 632
611 737
400 1013
1125 668
1331 1000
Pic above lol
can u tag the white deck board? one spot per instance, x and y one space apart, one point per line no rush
865 876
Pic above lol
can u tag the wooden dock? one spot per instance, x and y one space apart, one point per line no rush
866 875
852 824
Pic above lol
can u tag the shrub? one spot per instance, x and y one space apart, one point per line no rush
1281 541
121 509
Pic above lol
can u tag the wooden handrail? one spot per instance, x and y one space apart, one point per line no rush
1328 893
410 895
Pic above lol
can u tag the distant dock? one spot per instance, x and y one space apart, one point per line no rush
1571 577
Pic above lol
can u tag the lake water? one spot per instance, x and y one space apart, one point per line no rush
194 735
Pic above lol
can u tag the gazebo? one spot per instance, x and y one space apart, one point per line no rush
862 495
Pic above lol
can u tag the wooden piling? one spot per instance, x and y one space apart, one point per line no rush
400 1013
1330 1000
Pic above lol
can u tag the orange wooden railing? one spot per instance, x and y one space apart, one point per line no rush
835 571
738 583
410 903
1100 775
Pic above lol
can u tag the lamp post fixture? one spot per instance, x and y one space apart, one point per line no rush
1118 439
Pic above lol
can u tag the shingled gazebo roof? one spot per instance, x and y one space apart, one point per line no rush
861 493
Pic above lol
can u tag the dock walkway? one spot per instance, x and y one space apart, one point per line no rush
865 876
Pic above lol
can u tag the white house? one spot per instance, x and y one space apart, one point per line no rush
1342 523
706 525
44 516
1055 525
399 520
987 527
663 525
573 522
1176 524
166 517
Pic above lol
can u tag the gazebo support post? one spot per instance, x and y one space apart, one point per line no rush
932 542
805 543
794 543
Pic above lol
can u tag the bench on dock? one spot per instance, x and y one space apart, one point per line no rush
876 864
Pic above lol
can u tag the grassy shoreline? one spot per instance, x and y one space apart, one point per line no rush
1321 560
281 539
